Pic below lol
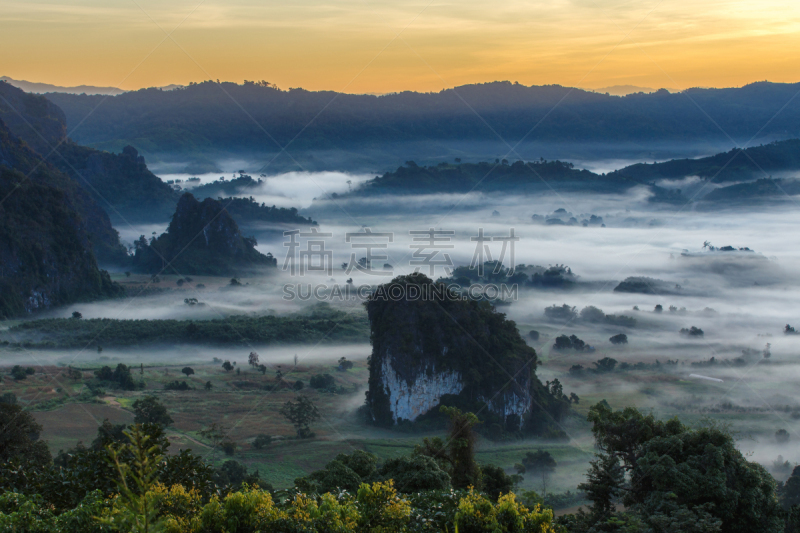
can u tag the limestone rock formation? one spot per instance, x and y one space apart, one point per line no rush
426 351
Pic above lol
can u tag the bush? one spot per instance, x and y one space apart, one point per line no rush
262 441
620 338
415 473
177 385
692 332
18 373
229 447
562 313
571 343
477 514
298 385
322 381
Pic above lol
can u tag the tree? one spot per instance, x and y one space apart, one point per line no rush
76 315
540 463
782 436
262 441
603 485
188 371
790 491
620 338
415 473
322 381
457 456
252 359
606 364
301 413
677 477
344 364
227 366
18 373
149 410
19 436
136 510
228 446
496 481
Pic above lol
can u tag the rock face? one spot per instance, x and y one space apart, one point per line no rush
46 256
426 353
119 185
409 400
201 239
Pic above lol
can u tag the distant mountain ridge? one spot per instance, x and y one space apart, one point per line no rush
40 88
44 88
210 119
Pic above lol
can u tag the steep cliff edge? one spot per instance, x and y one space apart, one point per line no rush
46 255
427 352
115 185
201 239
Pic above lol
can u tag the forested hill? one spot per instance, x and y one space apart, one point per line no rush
498 176
222 250
207 116
491 177
46 255
735 165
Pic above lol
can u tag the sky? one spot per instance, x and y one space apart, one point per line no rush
379 46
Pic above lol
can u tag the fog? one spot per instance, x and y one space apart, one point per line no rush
289 189
741 300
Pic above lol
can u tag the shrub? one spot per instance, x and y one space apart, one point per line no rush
229 447
692 332
381 508
262 441
620 338
18 373
177 385
477 514
562 313
322 381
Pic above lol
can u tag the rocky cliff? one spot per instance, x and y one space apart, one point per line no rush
46 256
115 185
201 239
451 351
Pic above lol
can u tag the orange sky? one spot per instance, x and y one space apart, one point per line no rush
382 46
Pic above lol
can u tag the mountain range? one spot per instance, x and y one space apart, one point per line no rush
324 129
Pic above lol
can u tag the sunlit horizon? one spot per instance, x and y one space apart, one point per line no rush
384 48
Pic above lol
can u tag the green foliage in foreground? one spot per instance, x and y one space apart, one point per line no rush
671 477
330 326
372 508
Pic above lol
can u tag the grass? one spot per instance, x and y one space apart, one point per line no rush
248 404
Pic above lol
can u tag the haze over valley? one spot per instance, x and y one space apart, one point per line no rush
493 306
